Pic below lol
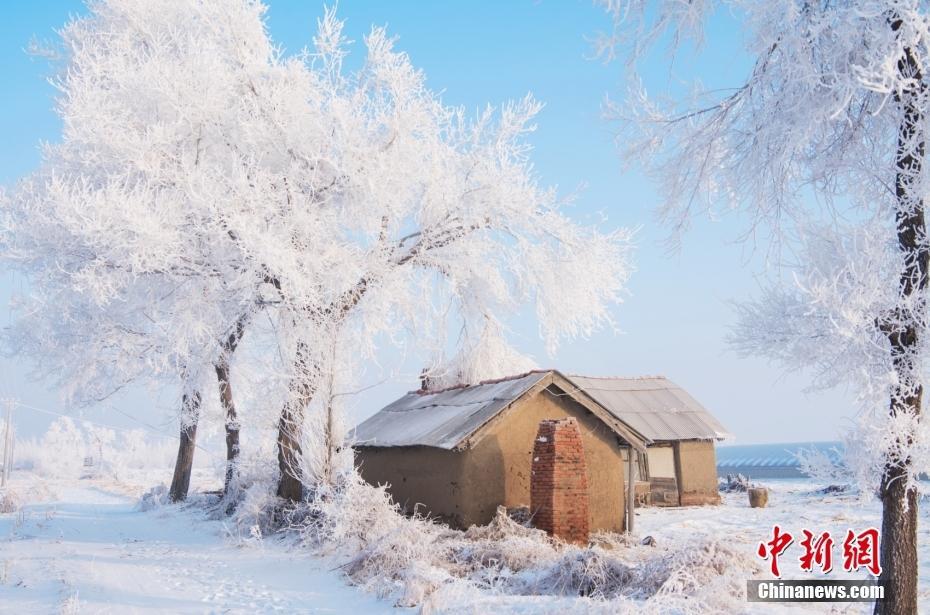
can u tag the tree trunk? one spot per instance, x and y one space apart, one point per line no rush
181 481
899 545
899 502
290 485
229 406
328 470
232 424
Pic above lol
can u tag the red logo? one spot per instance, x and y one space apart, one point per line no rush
817 552
775 547
859 550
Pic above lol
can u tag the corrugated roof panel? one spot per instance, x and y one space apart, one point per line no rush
651 424
442 419
656 407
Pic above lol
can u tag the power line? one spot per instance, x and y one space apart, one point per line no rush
97 423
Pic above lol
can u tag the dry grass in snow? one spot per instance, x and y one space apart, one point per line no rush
9 501
417 562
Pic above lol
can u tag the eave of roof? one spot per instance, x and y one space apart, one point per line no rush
442 419
457 417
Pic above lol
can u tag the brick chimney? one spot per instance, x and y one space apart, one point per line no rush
559 484
425 381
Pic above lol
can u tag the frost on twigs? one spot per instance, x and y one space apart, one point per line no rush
416 561
734 483
9 501
154 498
830 317
70 449
823 467
819 146
208 188
158 497
254 512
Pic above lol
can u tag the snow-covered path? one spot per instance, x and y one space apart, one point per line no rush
88 550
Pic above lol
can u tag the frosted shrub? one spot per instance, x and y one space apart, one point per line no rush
62 450
419 562
154 498
9 501
709 570
254 512
388 553
579 572
503 544
249 506
821 467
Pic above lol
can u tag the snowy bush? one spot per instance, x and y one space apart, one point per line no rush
254 512
823 467
156 497
61 451
734 483
9 501
70 605
416 561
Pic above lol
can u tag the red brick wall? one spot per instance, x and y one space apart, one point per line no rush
559 484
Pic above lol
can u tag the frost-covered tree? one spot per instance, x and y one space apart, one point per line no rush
834 107
430 213
124 233
205 184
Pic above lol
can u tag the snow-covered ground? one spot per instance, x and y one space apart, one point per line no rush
794 505
83 546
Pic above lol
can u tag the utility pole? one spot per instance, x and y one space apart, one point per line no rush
7 442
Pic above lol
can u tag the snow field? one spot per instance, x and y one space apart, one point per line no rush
84 547
110 543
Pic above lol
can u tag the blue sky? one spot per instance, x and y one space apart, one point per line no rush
678 310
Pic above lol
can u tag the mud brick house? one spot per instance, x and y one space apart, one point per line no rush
680 463
461 452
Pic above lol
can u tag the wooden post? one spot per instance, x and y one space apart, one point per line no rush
676 451
630 490
7 444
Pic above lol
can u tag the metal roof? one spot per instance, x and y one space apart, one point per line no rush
442 419
655 407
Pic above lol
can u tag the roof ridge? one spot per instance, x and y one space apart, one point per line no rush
655 377
483 382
